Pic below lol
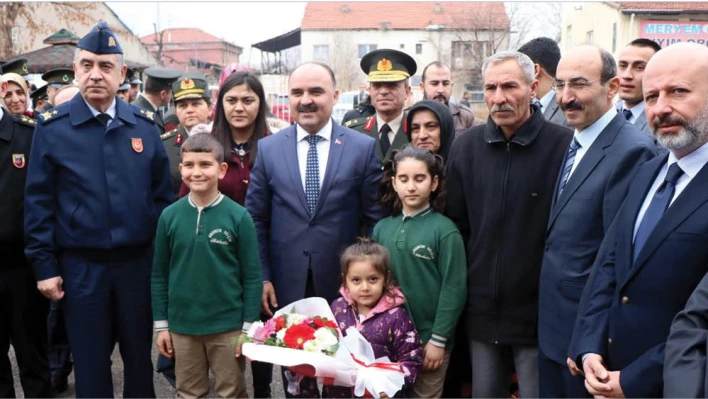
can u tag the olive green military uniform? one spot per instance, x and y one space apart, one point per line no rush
384 66
399 140
173 145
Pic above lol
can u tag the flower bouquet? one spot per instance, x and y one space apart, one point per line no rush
304 337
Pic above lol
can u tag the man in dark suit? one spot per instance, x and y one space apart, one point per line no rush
158 93
388 73
313 189
631 64
658 252
685 361
591 185
545 54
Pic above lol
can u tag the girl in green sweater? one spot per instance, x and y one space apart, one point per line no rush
427 257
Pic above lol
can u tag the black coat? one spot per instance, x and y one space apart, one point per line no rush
499 195
15 142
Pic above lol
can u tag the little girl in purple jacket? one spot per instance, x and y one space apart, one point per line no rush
374 306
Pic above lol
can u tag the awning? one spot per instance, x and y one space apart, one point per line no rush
280 43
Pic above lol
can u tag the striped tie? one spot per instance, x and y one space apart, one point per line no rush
572 150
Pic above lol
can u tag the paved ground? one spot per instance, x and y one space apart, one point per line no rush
162 387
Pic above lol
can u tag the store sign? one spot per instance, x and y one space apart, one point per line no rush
669 32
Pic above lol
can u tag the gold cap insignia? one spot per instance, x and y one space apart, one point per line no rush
24 68
186 84
65 78
111 41
384 65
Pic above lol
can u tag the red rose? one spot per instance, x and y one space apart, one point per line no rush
279 323
296 336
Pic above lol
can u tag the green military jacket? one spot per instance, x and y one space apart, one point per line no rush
369 126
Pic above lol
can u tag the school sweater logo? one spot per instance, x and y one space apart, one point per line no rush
421 251
219 236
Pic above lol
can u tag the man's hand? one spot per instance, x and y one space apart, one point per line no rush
52 288
574 370
432 357
268 297
164 343
596 376
239 343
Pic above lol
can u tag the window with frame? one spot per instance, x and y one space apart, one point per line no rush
365 49
590 37
320 52
468 54
419 48
614 37
477 92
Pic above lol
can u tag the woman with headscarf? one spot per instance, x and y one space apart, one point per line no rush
16 95
430 126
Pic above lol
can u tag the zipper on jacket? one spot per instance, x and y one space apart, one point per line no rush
501 242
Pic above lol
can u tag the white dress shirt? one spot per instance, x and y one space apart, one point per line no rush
394 125
691 164
636 111
111 111
589 134
545 100
322 150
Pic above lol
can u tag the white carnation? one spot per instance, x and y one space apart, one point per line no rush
312 346
280 335
325 338
254 327
295 319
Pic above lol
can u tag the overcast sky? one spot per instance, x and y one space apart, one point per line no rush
241 23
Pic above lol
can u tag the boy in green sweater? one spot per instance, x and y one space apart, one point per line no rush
206 277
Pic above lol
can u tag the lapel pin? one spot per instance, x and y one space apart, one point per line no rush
337 142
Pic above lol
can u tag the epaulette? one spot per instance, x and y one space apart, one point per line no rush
25 120
357 122
142 112
53 114
168 135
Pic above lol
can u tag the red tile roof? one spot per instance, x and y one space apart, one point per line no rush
183 35
404 15
663 6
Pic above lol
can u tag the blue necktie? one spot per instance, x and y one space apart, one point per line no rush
627 113
312 173
657 207
572 150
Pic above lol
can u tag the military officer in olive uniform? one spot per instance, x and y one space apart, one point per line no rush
18 66
388 72
135 82
158 92
55 78
23 310
192 105
98 181
39 98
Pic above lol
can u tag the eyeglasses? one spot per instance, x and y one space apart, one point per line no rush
574 84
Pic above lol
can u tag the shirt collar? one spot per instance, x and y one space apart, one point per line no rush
111 111
636 110
394 124
692 163
325 132
545 100
590 133
216 201
1 113
420 212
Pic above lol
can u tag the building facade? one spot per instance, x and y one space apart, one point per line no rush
460 34
611 25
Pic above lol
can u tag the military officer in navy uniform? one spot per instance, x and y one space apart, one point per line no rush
388 72
158 92
96 186
55 78
193 106
23 310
